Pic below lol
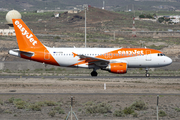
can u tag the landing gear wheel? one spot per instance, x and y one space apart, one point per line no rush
94 73
147 75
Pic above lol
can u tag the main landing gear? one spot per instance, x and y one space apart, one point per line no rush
94 73
147 74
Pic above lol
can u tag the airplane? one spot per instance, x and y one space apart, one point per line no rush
114 60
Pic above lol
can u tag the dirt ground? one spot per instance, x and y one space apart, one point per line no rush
85 91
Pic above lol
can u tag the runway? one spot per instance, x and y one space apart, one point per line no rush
87 85
90 77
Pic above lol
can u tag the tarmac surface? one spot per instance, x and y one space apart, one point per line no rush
98 77
107 78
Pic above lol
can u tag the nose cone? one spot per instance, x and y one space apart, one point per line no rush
168 61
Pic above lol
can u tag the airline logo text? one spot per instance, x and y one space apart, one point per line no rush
131 52
24 32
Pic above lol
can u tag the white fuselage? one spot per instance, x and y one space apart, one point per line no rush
65 58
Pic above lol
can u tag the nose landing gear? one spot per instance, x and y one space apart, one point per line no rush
147 74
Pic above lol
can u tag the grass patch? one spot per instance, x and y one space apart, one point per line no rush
98 108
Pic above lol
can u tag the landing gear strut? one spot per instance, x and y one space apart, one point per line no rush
147 74
94 73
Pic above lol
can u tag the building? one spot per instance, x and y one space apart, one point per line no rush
74 11
7 32
13 14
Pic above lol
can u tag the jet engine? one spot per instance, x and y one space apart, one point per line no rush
119 68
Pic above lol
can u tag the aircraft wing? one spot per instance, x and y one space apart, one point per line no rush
90 59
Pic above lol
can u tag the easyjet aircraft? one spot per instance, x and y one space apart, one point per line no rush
114 60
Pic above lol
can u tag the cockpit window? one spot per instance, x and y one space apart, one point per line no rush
160 54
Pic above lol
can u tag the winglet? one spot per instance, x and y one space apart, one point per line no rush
74 54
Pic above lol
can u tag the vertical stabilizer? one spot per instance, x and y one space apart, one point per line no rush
27 41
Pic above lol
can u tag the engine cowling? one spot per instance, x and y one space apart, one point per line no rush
119 68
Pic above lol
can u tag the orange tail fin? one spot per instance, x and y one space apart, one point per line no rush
27 41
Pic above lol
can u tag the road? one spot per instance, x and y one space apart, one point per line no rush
13 93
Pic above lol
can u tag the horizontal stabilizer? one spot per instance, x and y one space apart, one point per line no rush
17 52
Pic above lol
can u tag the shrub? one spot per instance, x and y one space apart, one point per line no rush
57 108
135 114
35 107
128 110
50 103
161 19
162 113
119 113
177 109
139 105
1 102
61 111
40 103
89 103
57 37
8 111
20 104
11 100
99 108
52 113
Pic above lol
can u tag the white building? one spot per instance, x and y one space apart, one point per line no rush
7 32
175 20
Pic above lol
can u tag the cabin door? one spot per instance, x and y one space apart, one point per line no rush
148 55
46 55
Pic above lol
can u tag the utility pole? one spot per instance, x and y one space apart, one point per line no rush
71 105
71 112
133 28
85 8
157 107
114 35
133 9
103 5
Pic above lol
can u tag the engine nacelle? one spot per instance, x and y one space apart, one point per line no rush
119 68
